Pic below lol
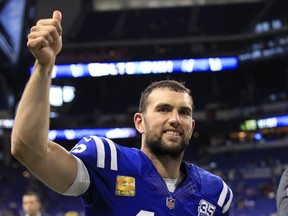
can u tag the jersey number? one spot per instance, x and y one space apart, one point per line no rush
206 208
145 213
79 148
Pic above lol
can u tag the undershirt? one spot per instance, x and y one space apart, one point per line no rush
172 184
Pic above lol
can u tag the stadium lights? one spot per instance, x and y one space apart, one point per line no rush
271 122
60 95
74 134
144 67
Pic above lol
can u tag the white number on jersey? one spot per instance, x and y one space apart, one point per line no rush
206 208
79 148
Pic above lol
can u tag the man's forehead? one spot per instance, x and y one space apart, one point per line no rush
164 95
29 197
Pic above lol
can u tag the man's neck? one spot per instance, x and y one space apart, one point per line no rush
167 166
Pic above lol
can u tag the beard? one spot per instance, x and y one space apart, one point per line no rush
159 148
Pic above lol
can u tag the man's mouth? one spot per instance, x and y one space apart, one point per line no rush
174 133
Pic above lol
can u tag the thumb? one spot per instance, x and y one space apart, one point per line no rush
57 15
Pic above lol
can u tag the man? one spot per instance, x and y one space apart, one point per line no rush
282 195
112 179
31 204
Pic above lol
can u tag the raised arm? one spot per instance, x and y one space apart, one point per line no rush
47 160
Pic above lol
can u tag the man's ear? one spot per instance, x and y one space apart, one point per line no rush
192 127
138 122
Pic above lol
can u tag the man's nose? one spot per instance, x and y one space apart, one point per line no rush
175 119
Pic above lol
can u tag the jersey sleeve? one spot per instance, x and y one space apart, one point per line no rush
225 198
96 152
214 189
99 156
222 193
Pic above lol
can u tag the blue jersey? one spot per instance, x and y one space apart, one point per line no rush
124 182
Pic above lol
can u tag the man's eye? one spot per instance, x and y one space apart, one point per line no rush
163 109
185 112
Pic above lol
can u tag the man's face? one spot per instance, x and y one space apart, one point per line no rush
168 123
30 204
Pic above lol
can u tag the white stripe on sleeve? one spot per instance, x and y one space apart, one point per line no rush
100 151
114 165
226 207
223 194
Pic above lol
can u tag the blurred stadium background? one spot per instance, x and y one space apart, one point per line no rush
241 111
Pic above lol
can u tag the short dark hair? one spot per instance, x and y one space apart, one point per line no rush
170 84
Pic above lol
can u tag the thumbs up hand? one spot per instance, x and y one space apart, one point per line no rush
45 40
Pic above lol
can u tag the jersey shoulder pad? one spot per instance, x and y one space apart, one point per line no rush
212 186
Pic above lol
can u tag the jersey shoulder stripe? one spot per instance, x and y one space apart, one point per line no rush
100 147
97 150
223 195
228 204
